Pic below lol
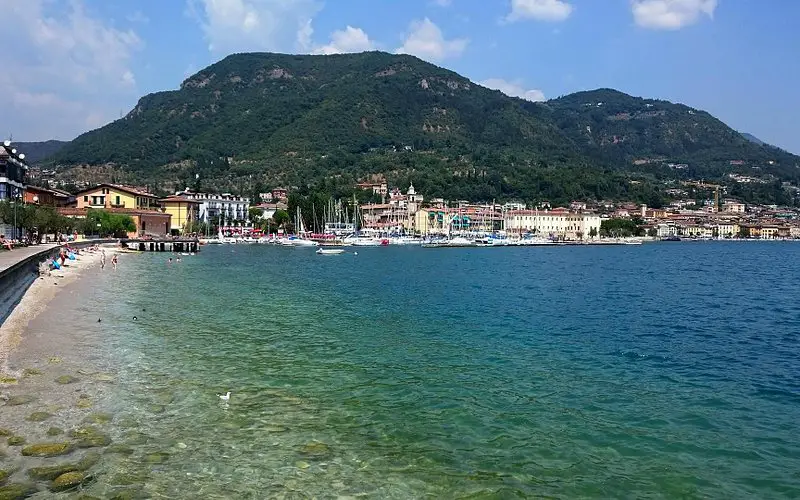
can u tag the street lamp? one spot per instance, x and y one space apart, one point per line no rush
16 197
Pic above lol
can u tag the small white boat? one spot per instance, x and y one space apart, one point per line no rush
330 251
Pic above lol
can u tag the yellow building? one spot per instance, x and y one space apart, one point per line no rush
184 211
114 196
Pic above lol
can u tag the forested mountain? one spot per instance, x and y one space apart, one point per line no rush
38 151
263 118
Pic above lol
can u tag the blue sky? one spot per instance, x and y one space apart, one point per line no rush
73 65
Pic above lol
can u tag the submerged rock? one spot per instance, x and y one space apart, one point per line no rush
98 418
4 475
156 458
129 477
84 401
20 399
90 437
47 449
136 438
51 472
31 372
315 449
67 481
54 360
105 377
38 416
130 495
67 379
120 449
302 465
16 491
5 432
16 441
54 431
4 379
157 408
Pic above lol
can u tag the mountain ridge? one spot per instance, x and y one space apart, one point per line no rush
299 119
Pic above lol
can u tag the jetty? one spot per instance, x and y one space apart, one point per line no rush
164 245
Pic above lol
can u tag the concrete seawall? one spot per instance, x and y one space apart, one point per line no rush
16 279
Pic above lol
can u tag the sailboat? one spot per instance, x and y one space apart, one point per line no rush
299 240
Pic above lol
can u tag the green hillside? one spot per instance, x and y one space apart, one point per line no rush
265 119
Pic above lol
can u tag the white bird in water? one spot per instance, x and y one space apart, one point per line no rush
225 397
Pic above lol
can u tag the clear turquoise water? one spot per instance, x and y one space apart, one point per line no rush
665 371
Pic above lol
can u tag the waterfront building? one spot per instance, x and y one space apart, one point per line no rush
727 229
47 197
146 222
184 212
269 209
769 232
666 230
556 223
13 173
137 203
106 196
222 208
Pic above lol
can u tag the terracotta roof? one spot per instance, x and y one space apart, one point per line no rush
54 192
128 189
180 199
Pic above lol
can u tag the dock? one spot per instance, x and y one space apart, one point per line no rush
164 245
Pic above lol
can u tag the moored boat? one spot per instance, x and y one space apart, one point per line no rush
330 251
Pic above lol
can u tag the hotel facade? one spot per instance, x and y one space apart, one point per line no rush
556 223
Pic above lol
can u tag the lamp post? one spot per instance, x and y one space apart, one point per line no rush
16 197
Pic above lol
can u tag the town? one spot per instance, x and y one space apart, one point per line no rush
230 217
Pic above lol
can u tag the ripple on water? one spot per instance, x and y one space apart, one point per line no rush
596 372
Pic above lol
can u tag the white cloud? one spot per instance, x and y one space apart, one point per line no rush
425 40
348 40
670 14
541 10
513 89
68 70
255 25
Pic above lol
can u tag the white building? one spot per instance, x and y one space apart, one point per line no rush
556 223
226 206
733 207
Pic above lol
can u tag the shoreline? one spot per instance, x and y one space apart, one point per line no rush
36 299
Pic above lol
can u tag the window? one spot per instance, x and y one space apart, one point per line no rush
86 199
117 200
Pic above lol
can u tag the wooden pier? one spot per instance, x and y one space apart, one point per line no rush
166 245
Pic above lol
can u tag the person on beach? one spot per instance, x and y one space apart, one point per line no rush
114 261
63 256
6 243
102 259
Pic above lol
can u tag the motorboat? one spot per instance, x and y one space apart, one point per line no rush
330 251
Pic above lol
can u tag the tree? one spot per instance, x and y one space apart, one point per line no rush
593 232
105 223
652 232
579 235
255 215
280 218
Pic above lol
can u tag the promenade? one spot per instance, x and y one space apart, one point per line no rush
9 258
